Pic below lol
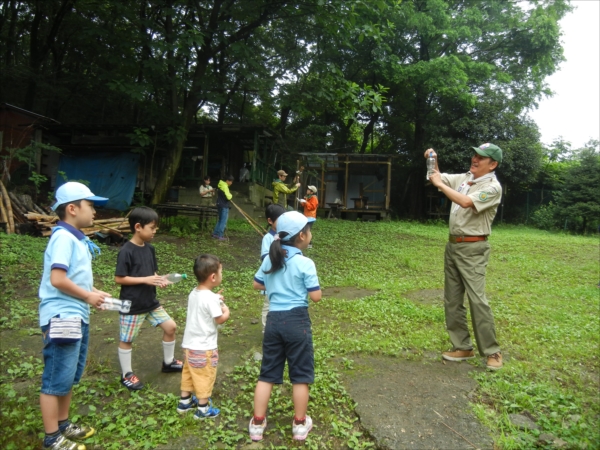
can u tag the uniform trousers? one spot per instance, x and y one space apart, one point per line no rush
465 266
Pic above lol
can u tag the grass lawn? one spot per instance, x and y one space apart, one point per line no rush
542 288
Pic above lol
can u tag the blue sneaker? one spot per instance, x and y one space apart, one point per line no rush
182 408
210 412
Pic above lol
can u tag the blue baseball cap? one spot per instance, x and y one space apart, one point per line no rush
73 191
291 222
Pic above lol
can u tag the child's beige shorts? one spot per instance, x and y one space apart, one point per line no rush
199 371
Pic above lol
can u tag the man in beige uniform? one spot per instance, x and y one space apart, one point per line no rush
475 197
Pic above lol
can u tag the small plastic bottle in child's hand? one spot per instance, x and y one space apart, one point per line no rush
173 278
115 304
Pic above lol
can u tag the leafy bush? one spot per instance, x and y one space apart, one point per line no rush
180 226
545 218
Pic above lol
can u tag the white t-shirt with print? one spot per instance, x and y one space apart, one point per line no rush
200 328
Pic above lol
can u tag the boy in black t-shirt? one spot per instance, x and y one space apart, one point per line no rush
137 274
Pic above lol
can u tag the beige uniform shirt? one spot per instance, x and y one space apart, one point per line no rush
476 220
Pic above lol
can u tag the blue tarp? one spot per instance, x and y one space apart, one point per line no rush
111 175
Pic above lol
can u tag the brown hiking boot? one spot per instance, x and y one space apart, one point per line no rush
458 355
494 362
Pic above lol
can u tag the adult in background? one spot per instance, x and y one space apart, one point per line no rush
475 197
244 174
279 187
223 206
207 192
310 202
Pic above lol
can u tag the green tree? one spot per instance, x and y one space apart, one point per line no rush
450 58
578 200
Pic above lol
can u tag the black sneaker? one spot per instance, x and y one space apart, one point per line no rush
132 382
173 366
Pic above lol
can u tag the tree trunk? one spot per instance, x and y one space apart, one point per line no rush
285 113
417 205
167 174
368 131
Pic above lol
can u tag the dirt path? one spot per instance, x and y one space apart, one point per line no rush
402 404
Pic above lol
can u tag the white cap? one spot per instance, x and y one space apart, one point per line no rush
292 223
73 191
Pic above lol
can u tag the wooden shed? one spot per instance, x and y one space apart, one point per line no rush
350 185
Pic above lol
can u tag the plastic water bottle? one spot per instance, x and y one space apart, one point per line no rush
115 304
173 278
430 164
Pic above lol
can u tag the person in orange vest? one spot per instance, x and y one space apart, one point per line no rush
310 203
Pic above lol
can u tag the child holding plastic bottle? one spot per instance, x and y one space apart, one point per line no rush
66 293
205 311
136 272
289 279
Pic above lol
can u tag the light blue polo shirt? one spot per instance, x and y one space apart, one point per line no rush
289 287
266 243
66 250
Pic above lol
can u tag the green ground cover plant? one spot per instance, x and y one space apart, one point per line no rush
542 287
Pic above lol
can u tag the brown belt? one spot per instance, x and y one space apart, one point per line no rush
456 239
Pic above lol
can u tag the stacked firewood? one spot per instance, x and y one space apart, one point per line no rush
116 226
18 209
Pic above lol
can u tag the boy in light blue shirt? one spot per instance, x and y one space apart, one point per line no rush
66 293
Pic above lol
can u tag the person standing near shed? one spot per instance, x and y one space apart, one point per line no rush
279 187
475 197
207 193
223 207
310 202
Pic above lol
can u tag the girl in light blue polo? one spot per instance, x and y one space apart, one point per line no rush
289 278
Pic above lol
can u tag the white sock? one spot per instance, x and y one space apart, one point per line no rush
125 360
169 351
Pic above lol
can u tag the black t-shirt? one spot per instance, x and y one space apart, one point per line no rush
136 261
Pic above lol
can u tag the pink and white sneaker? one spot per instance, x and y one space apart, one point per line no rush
301 431
256 431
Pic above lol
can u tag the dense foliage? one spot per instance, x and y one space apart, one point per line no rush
385 76
573 178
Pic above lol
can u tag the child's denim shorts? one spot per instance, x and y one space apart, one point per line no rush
63 363
288 336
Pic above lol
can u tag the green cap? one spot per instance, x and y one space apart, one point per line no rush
183 276
490 151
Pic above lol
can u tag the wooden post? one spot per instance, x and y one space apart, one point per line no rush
205 156
254 154
323 193
296 180
346 184
3 213
389 185
9 211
